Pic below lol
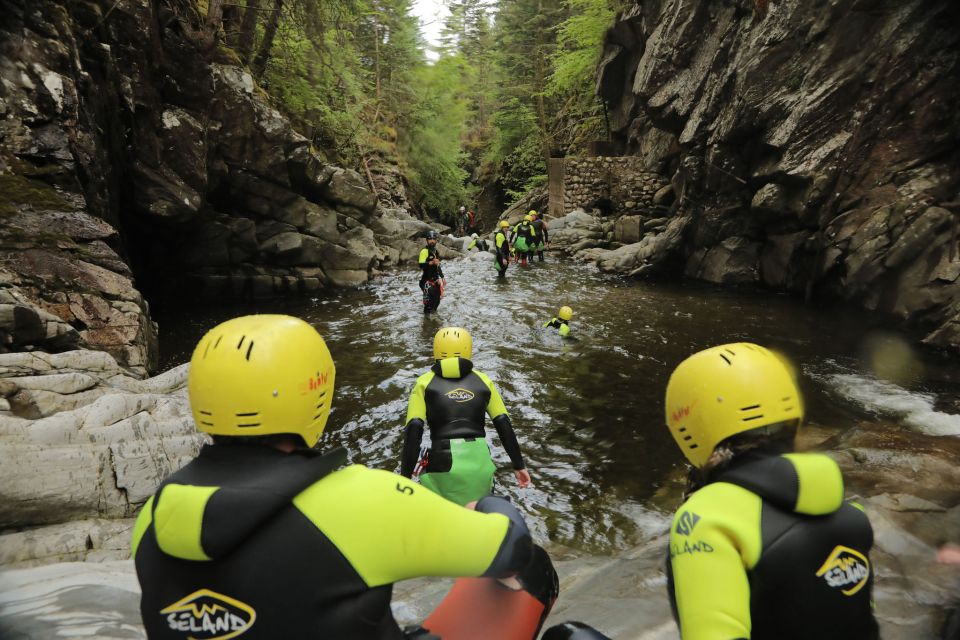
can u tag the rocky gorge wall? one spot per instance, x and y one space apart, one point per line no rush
812 147
131 160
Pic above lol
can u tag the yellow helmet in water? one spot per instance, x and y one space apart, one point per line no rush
504 224
451 342
565 313
260 375
726 390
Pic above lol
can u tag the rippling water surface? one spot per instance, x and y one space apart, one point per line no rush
588 412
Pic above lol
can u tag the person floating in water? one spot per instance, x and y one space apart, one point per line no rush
764 545
452 399
542 235
263 533
432 281
502 247
561 321
478 243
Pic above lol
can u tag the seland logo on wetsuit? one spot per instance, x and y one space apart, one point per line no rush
208 615
460 395
845 569
686 522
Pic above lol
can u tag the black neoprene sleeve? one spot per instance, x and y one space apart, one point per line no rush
509 440
411 447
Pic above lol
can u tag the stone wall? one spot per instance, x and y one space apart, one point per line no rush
615 185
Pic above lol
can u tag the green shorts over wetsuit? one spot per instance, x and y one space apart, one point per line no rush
471 470
525 237
454 400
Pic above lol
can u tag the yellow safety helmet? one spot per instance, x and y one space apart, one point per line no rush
260 375
528 218
504 224
565 312
726 390
533 212
451 342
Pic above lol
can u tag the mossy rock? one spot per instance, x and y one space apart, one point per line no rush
226 55
17 192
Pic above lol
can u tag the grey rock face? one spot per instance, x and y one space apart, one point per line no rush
129 126
82 439
837 165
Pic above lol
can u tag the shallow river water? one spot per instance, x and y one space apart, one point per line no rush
589 411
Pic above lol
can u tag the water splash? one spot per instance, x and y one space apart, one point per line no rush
915 409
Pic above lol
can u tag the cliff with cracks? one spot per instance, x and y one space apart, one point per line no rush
134 158
812 147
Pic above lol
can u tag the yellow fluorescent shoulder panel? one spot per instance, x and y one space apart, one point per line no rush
714 539
390 528
821 489
179 520
495 406
144 518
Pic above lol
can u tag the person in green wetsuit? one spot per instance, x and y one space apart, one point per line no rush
542 234
524 238
453 399
764 547
262 536
561 321
502 247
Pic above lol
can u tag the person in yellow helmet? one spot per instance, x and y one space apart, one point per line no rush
432 281
764 545
502 247
524 238
541 233
561 321
453 399
478 243
263 536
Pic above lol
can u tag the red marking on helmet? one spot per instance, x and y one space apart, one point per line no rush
318 381
682 412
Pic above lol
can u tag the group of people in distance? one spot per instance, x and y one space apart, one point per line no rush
529 237
525 240
263 535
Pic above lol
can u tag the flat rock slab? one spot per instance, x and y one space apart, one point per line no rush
73 599
623 596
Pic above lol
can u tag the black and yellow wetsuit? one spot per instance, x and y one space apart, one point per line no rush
770 550
479 243
559 323
524 237
429 271
542 235
252 542
453 399
502 247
